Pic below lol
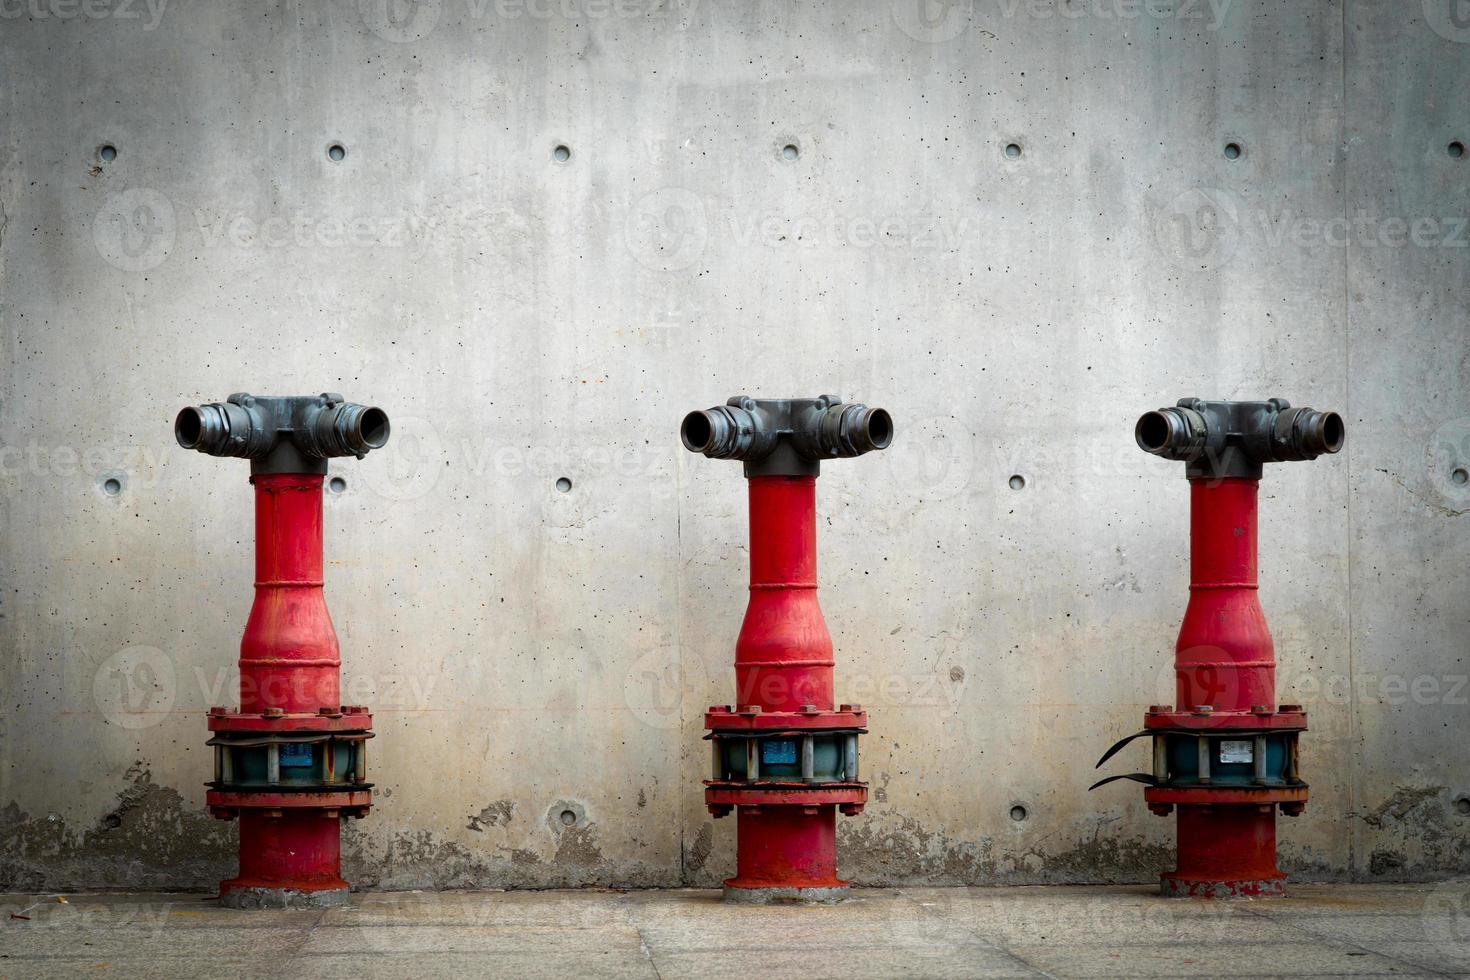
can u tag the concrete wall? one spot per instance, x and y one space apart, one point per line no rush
525 319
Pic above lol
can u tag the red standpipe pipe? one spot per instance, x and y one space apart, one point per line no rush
289 665
783 662
783 658
1224 661
289 657
1224 657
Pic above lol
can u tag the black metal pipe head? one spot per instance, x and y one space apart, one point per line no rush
786 436
1236 439
295 434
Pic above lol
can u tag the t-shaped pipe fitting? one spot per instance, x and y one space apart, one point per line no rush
296 434
786 436
1234 439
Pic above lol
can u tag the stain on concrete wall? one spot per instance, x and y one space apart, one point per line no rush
538 235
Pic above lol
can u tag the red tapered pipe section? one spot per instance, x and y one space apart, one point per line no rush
783 661
783 658
288 656
1224 657
1224 660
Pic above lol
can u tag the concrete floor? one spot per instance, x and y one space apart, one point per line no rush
1319 930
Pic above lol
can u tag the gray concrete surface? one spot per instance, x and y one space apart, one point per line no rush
525 319
1322 930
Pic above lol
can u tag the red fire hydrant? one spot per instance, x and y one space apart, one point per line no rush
785 755
1226 753
291 760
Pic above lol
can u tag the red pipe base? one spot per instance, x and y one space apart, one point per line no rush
786 853
287 861
1225 852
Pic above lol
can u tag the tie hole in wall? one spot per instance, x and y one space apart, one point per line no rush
107 153
564 484
1013 151
1462 806
566 814
790 151
1017 482
1456 149
111 485
1019 813
1234 151
562 153
337 485
336 152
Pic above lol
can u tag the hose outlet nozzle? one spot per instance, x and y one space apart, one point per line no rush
1304 433
223 429
844 431
346 429
728 432
1173 433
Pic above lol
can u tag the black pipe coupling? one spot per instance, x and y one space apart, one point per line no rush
295 434
786 436
1235 439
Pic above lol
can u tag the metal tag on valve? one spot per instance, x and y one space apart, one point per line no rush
1233 751
778 752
